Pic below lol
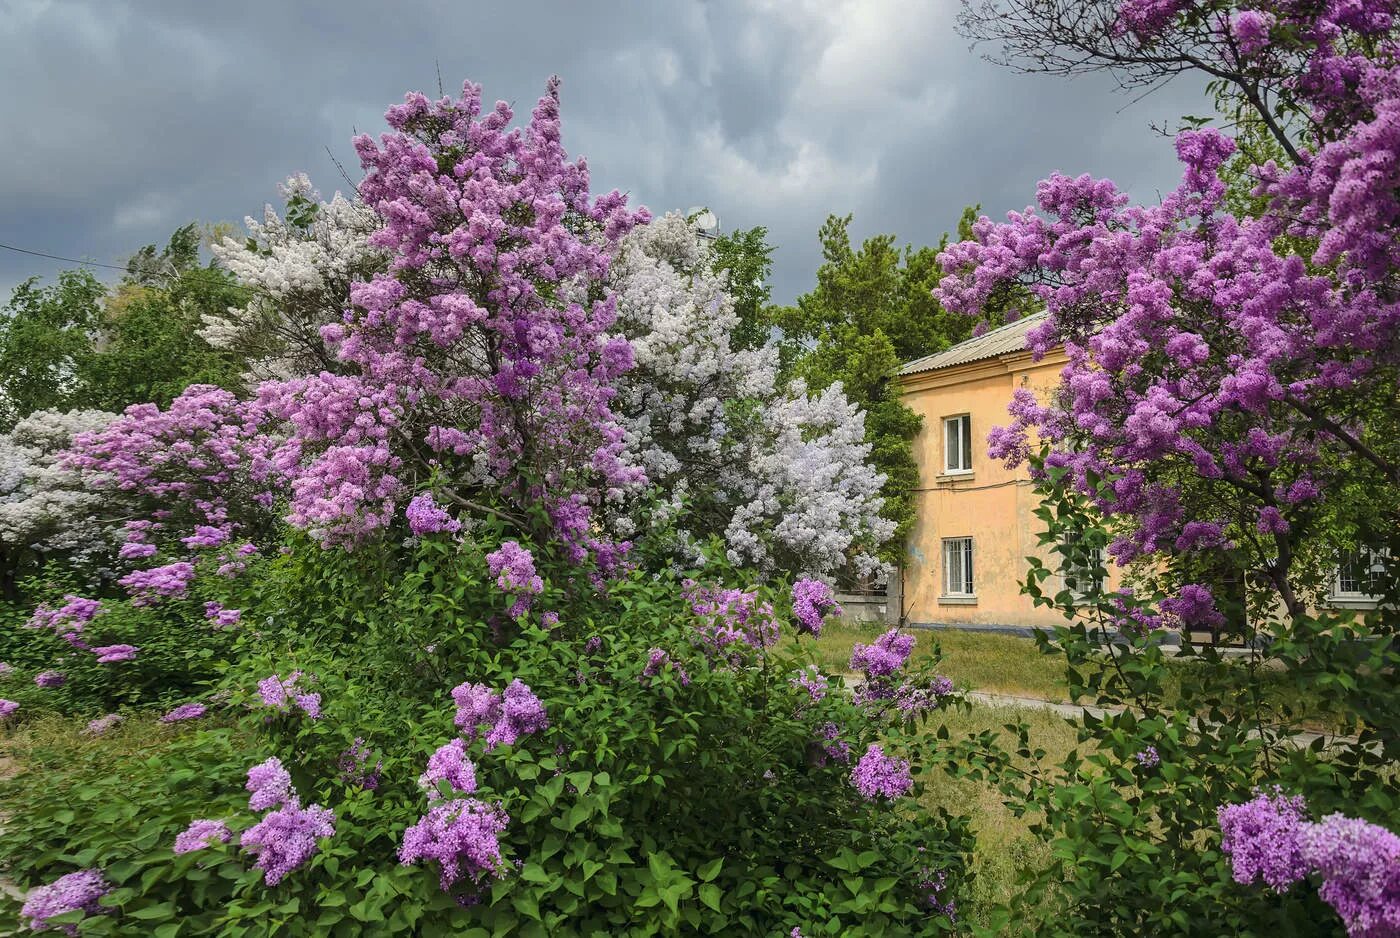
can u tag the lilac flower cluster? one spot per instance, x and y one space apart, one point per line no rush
812 602
733 621
514 569
911 700
933 886
354 766
167 582
658 660
200 834
7 707
1148 758
188 711
462 836
102 725
880 663
831 747
284 695
449 764
1271 838
813 681
876 774
50 679
287 835
514 713
80 891
224 618
426 517
68 620
109 654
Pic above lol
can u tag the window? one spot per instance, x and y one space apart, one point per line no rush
1086 579
957 566
1359 575
957 444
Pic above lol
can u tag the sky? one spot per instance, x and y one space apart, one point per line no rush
125 120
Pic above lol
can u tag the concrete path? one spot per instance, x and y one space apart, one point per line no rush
1074 711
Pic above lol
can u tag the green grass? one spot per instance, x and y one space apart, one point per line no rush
1006 851
985 661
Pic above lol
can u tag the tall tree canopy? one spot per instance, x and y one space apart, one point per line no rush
871 310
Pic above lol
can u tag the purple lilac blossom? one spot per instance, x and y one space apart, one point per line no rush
1261 838
108 654
354 766
189 711
426 517
658 660
877 774
286 837
477 706
886 656
449 764
514 569
1359 863
167 582
50 679
522 713
1148 758
101 725
813 681
284 695
76 891
200 834
462 836
812 601
7 707
833 747
270 784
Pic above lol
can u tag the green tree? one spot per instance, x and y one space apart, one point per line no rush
77 344
47 338
745 257
872 310
151 349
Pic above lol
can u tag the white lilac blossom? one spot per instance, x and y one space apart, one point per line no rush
786 481
44 505
300 268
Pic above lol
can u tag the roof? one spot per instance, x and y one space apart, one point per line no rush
1006 340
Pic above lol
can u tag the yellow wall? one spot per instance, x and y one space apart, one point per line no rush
993 504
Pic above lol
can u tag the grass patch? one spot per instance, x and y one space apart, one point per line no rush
985 661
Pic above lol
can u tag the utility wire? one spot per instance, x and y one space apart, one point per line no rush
231 285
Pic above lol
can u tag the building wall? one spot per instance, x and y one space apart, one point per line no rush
993 505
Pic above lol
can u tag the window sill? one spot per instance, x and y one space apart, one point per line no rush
1352 602
956 476
957 600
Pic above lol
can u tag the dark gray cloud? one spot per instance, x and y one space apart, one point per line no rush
127 119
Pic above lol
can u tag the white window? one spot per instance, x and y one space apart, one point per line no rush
1359 576
957 566
1081 581
957 444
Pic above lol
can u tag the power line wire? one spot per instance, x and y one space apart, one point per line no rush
232 285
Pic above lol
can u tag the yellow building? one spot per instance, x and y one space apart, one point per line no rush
975 525
966 557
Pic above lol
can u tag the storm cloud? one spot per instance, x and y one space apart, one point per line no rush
127 119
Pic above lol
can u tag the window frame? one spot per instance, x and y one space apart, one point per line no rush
966 551
963 422
1344 597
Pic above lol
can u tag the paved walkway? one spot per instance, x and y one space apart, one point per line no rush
1075 711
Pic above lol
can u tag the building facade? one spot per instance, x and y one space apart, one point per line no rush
966 556
975 521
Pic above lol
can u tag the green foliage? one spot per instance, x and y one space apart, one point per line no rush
651 805
747 258
871 311
1136 848
75 344
46 343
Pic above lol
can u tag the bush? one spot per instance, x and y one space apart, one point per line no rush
677 779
